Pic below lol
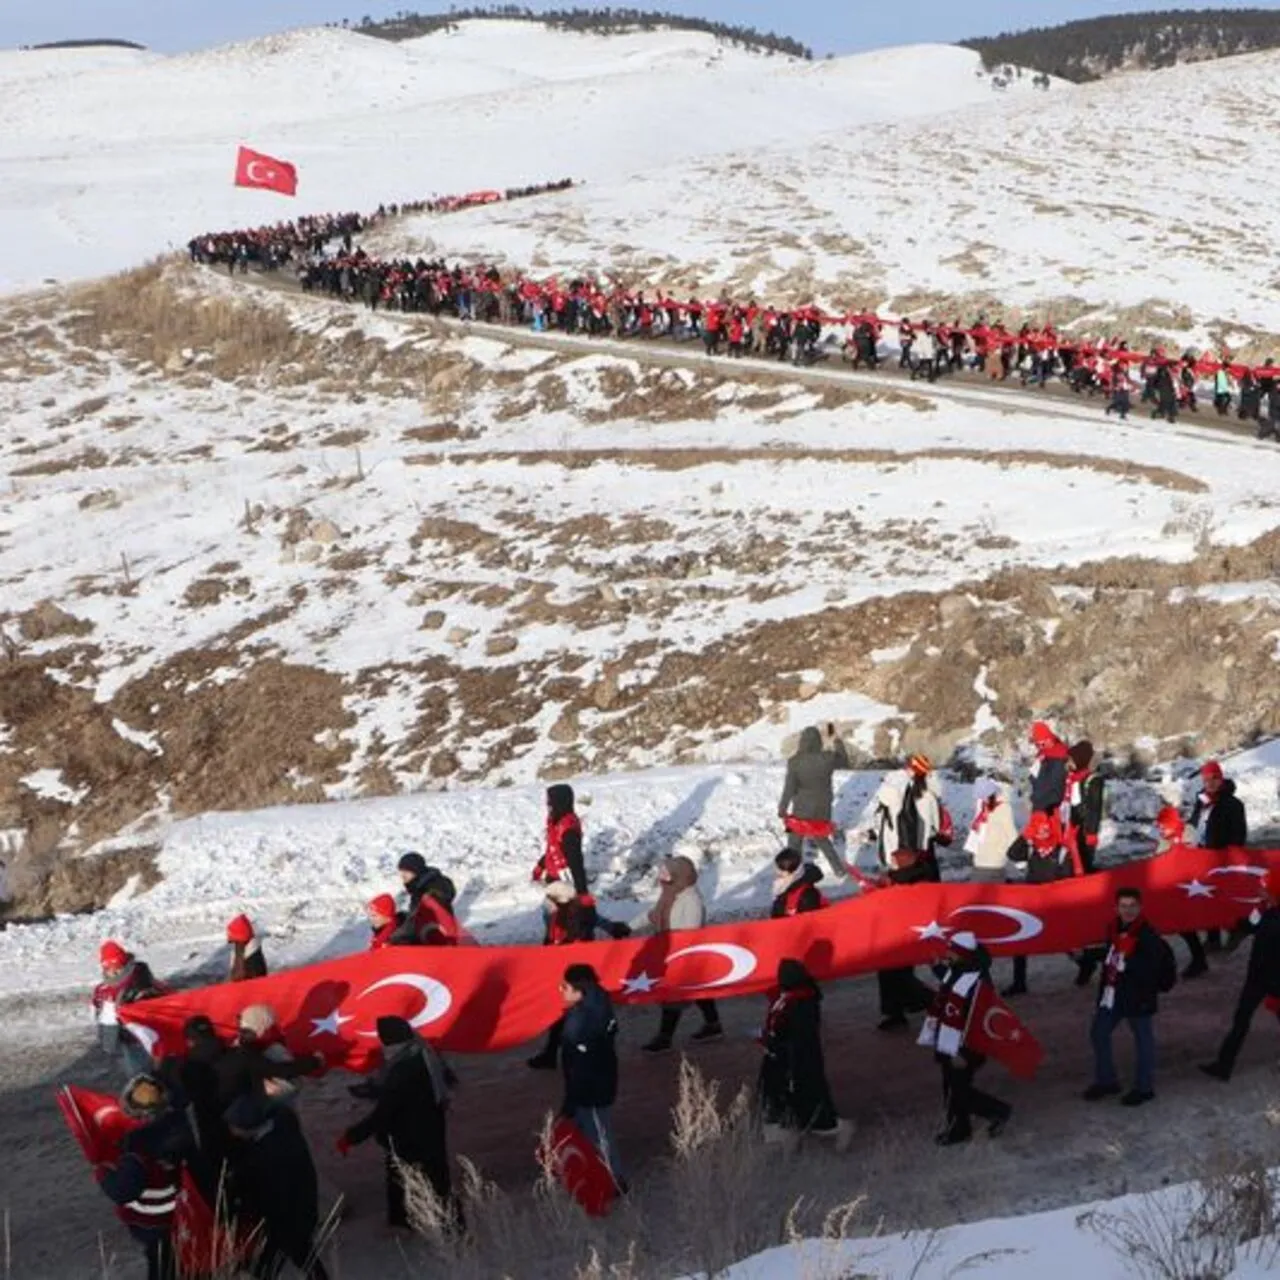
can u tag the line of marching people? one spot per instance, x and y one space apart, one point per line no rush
228 1111
926 348
271 247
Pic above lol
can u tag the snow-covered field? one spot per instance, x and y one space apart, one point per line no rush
111 158
1038 205
1063 1244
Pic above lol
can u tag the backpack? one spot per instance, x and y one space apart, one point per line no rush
442 889
1167 974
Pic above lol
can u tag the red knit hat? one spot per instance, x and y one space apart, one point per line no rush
383 906
1169 823
112 955
1043 831
1211 769
1041 734
240 930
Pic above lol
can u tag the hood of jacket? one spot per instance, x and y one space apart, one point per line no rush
683 874
810 742
559 800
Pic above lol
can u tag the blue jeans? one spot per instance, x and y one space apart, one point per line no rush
596 1124
1105 1021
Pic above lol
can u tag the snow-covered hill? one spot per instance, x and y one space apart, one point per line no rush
1134 205
109 158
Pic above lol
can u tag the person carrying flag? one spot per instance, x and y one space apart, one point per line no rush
965 973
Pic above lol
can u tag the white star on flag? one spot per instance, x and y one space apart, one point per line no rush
642 982
330 1026
931 930
1197 890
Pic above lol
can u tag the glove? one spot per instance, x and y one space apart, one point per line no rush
343 1145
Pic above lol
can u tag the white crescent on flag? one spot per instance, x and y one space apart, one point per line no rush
437 999
742 963
1029 924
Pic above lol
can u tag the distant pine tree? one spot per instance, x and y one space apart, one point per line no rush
1096 47
609 21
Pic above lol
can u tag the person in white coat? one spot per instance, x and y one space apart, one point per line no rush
909 826
679 906
992 832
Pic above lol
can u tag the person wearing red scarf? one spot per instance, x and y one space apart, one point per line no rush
966 966
1133 975
794 1094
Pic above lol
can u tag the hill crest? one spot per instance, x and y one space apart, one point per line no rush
1094 48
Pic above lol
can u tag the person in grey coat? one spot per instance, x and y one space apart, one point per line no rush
808 794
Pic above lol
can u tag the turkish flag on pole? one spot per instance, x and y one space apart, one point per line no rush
100 1127
253 169
994 1030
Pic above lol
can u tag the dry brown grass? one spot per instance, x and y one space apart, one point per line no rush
718 1199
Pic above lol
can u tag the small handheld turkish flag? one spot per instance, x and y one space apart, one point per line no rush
994 1029
253 169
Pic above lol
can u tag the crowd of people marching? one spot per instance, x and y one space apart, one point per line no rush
272 247
227 1111
326 259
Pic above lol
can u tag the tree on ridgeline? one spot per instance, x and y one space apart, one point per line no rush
608 21
1096 47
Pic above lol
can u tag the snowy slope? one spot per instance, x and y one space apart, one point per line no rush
441 565
1132 203
1064 1244
107 162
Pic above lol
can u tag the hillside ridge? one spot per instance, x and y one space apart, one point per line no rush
1094 48
605 21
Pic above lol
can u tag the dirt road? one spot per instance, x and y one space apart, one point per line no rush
1057 1150
1055 401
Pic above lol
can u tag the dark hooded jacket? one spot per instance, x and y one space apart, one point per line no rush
1227 826
275 1176
410 1099
801 896
793 1079
808 791
588 1053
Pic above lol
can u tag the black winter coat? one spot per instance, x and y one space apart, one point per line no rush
1264 955
276 1180
1049 786
1227 826
246 1069
588 1053
408 1117
1041 868
1138 989
807 899
793 1077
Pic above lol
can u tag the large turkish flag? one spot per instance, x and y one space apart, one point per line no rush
254 169
485 999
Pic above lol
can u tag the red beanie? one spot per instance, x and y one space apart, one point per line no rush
1043 831
113 955
1169 823
1041 734
240 930
384 905
1211 769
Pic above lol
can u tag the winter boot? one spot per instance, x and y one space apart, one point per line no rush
840 1135
666 1030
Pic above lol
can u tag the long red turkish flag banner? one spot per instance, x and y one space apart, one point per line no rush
486 999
